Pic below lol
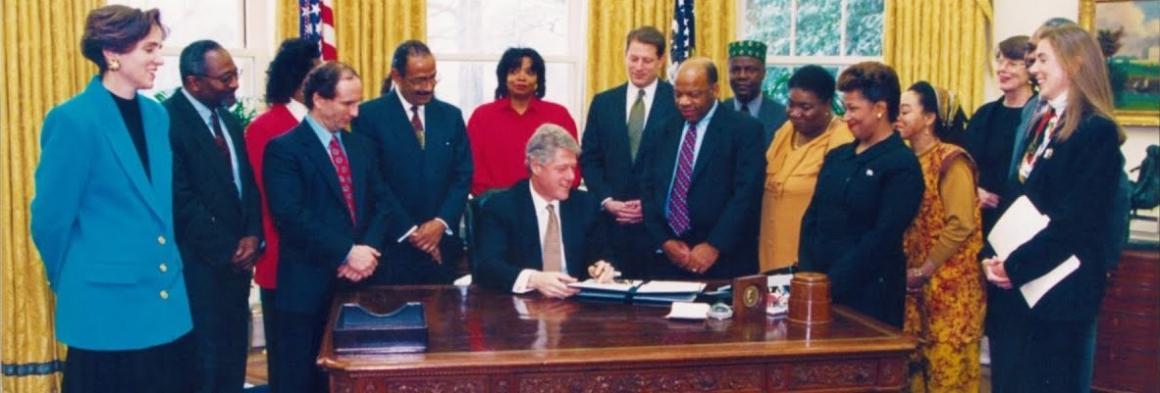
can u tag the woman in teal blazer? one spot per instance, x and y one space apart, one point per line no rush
102 218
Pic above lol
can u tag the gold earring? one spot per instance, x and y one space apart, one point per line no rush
879 115
114 64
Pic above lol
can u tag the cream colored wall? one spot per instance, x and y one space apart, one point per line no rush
1013 17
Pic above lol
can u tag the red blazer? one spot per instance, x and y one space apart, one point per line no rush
272 124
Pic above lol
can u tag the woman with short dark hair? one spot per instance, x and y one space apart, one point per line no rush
793 160
499 130
867 195
102 218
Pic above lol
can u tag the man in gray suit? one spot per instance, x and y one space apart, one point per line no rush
746 76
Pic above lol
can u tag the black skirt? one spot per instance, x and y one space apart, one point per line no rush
164 368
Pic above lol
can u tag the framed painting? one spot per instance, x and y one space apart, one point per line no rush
1129 34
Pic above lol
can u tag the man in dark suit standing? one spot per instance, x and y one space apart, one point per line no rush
702 196
425 159
332 211
746 77
217 212
540 235
620 128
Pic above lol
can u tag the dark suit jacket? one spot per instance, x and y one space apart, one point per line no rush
771 115
314 224
1075 185
510 236
608 167
853 228
209 214
431 182
724 197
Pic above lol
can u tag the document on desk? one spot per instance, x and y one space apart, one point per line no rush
1019 224
640 291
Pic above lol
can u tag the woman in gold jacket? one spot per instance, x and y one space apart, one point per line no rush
794 158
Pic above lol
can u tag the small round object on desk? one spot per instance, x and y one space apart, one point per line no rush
809 300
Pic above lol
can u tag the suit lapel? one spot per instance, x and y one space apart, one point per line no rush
572 232
406 131
529 226
320 157
620 122
358 175
714 133
667 152
202 136
118 136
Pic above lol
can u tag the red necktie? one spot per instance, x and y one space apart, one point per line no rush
417 123
342 166
219 138
678 213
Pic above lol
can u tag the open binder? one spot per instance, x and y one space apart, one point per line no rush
640 292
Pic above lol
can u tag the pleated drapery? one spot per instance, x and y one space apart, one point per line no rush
42 66
944 42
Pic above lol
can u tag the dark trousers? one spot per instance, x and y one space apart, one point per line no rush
630 246
1005 336
269 328
302 335
1056 356
219 303
159 369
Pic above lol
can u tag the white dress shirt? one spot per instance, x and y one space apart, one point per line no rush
650 92
205 113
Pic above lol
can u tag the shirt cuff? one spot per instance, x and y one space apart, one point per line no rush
606 200
446 228
408 234
521 285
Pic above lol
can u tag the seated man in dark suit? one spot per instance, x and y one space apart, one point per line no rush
524 245
702 198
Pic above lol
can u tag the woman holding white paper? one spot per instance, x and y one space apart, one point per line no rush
1069 171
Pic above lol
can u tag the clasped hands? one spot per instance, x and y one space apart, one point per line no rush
697 259
427 237
555 284
625 212
997 272
360 263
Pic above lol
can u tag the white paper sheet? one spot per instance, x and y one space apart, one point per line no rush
684 310
1020 223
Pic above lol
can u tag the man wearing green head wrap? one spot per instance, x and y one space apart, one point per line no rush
746 76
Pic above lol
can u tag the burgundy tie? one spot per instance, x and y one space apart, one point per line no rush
219 138
678 213
417 123
342 166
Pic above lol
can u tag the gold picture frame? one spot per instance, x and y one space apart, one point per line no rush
1087 19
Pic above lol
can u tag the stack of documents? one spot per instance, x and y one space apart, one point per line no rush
638 291
1021 222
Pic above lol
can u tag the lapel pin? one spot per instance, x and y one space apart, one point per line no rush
869 172
1047 153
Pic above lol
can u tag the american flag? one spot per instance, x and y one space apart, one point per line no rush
316 19
683 35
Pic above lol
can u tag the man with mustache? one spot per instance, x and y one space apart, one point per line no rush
217 212
746 77
426 160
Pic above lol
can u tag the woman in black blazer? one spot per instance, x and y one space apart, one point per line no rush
1069 171
868 193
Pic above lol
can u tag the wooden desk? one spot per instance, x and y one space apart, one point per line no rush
481 341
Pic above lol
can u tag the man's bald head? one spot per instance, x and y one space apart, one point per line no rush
696 88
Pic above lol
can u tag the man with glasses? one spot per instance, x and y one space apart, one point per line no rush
217 212
426 160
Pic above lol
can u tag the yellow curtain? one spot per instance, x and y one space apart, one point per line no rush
367 33
943 42
609 21
42 66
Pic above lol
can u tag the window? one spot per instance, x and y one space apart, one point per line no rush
244 28
468 37
830 33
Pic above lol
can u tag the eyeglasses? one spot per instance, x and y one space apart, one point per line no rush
1003 62
225 78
